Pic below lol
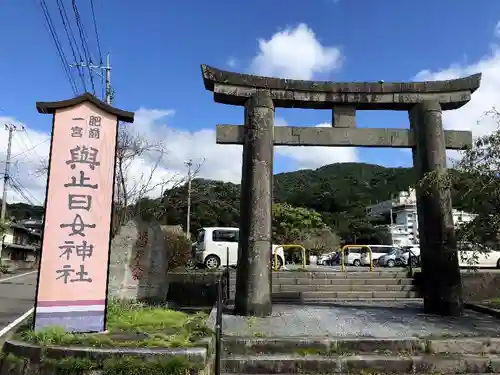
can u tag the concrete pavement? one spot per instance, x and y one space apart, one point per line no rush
17 296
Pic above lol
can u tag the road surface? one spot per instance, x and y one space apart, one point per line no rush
17 296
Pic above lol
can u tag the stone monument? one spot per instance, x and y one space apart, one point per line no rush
424 101
138 262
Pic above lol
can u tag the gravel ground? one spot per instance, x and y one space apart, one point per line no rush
360 319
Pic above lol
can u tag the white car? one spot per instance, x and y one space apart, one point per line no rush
352 256
377 251
214 244
469 256
323 260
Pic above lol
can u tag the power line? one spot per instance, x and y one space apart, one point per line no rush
71 39
29 149
32 143
106 76
25 193
57 43
95 30
83 39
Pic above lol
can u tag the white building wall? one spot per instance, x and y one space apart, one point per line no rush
404 230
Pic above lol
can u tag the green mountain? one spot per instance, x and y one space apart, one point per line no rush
340 192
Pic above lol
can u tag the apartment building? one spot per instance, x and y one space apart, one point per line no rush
402 216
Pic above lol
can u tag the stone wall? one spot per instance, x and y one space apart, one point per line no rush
477 286
194 288
480 286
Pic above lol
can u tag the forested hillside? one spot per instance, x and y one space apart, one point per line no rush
339 192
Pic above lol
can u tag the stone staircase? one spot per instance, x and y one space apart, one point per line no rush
324 287
360 355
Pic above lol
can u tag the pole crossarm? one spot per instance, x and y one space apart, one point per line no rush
235 88
342 137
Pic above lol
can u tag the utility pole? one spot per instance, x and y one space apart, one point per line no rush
98 70
107 68
11 128
189 164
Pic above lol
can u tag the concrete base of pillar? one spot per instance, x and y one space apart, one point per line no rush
257 310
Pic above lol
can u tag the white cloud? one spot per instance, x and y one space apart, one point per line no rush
307 157
470 117
295 53
29 148
497 29
232 62
221 162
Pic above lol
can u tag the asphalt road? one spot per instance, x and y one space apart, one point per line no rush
17 296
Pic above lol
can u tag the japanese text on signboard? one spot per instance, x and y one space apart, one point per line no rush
82 159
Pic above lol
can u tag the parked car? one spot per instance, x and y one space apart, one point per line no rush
325 259
471 256
377 251
391 259
410 254
215 243
351 256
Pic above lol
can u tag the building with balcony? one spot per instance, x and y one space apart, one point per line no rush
20 246
35 225
401 213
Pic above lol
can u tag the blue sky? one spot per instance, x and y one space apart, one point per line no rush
157 47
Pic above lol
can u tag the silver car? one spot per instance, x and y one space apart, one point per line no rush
390 259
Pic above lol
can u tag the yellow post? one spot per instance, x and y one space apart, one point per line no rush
342 257
342 267
287 247
371 257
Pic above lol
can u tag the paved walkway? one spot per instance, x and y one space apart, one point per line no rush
17 296
358 319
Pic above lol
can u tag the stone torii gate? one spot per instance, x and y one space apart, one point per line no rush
424 102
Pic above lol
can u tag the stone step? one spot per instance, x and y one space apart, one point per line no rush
331 301
339 274
340 281
375 364
334 275
337 288
233 345
319 296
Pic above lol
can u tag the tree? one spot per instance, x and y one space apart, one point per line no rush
290 224
320 240
476 175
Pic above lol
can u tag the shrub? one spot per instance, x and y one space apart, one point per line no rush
4 268
178 248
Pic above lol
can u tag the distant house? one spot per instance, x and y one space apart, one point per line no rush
35 225
21 246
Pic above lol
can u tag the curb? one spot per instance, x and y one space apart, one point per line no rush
425 364
405 346
483 309
34 352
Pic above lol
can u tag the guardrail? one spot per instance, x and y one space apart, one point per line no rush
289 246
346 247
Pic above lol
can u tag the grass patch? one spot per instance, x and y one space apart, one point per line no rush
131 325
109 366
494 303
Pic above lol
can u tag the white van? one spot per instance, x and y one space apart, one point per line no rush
470 257
213 243
352 256
377 252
